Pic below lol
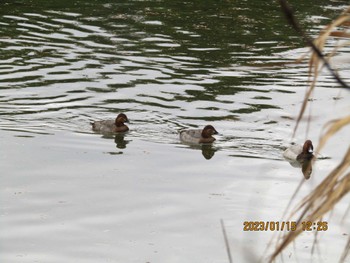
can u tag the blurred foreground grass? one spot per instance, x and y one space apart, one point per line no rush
337 184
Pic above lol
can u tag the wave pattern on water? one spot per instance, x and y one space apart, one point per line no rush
63 69
168 65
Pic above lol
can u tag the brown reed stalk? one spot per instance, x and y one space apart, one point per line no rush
337 184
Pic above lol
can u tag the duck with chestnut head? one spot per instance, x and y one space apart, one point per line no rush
300 153
111 126
307 153
197 136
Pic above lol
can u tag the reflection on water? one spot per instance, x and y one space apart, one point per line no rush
306 167
207 150
167 65
120 141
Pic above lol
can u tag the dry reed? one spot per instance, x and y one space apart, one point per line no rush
337 184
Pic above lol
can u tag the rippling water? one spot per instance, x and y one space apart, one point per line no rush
71 195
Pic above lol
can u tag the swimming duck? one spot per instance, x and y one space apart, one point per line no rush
196 136
300 153
111 126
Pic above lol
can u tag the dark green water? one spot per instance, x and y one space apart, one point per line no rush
70 195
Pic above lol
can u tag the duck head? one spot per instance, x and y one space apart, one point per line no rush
308 147
208 131
121 118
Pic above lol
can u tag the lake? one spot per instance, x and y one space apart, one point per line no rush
71 195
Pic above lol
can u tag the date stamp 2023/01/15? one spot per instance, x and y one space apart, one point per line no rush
284 225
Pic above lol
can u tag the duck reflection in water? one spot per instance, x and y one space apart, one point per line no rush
207 150
301 157
120 141
306 169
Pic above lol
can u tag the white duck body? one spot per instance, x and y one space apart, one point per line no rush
191 136
197 136
292 152
104 126
111 126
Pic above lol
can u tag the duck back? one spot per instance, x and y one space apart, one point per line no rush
103 126
292 152
191 136
194 136
108 126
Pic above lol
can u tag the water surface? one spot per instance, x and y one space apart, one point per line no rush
70 195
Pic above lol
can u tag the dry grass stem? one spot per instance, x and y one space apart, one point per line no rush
227 245
315 61
336 185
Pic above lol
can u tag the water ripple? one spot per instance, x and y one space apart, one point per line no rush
64 69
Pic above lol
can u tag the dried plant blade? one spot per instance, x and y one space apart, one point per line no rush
291 19
345 252
227 245
333 127
303 106
337 184
327 185
340 34
320 202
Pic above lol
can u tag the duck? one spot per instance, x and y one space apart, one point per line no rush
197 136
300 153
111 126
